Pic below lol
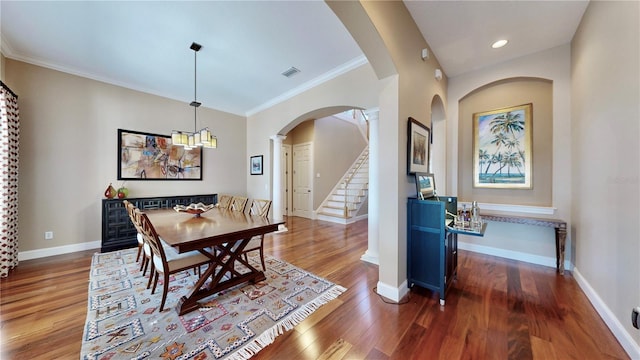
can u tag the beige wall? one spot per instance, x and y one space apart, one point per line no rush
502 94
2 65
68 151
605 62
302 133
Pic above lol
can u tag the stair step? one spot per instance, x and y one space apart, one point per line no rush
341 216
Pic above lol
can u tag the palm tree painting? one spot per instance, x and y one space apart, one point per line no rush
502 148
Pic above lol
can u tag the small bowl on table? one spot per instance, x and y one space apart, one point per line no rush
195 209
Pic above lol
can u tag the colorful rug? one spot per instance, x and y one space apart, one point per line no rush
123 321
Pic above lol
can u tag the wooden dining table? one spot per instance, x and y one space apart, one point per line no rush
221 235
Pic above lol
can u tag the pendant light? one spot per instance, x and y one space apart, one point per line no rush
196 138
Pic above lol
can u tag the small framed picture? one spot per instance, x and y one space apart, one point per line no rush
425 185
417 147
256 165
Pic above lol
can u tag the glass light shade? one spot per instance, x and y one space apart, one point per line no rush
213 143
175 138
196 139
192 141
184 139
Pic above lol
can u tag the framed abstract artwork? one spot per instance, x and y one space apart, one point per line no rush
144 156
417 147
255 165
502 155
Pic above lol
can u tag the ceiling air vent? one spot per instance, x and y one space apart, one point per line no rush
290 72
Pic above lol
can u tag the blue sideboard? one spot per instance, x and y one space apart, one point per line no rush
432 251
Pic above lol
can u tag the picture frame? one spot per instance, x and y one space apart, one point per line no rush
418 147
146 156
425 185
255 165
502 148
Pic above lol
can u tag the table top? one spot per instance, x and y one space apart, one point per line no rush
187 232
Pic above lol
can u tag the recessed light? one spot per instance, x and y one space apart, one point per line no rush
499 43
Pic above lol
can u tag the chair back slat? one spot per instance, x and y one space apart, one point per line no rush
260 207
239 203
224 201
150 235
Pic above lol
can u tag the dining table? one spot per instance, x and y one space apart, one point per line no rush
221 235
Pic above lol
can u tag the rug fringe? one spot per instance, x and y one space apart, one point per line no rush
269 335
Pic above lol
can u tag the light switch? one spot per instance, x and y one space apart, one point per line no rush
318 175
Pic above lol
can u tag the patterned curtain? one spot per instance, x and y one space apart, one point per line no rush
9 180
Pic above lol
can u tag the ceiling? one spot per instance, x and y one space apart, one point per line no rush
246 45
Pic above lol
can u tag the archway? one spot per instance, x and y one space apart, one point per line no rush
438 161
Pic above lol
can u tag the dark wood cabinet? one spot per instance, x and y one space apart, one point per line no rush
432 258
117 230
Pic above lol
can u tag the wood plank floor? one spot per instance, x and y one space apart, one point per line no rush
497 308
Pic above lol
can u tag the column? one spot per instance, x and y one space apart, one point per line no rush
277 178
371 255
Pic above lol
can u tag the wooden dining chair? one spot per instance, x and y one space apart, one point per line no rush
143 248
239 203
258 208
166 260
224 201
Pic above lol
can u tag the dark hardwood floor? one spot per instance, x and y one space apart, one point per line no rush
496 309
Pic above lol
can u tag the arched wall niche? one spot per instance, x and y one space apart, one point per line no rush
500 94
315 114
439 145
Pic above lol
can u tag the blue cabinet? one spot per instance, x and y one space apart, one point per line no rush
432 258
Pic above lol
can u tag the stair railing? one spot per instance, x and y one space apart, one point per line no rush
347 182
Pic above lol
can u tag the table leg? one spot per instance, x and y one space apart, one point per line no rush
561 238
233 256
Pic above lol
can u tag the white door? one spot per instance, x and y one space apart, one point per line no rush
286 169
302 180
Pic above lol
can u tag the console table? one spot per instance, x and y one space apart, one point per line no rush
118 231
560 227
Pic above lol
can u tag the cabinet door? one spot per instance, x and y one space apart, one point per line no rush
425 265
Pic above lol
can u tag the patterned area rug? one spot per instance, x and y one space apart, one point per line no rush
123 321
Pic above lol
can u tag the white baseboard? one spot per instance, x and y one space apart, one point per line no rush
392 293
626 340
58 250
514 255
370 258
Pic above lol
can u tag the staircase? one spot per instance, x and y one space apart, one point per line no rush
344 202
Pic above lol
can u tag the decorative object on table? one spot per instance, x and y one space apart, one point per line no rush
110 193
256 165
123 317
502 148
195 209
417 147
476 221
425 185
123 192
201 137
144 156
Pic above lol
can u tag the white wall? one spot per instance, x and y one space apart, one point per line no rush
606 192
534 244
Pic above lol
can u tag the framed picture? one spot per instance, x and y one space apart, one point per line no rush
417 147
502 154
425 185
144 156
256 165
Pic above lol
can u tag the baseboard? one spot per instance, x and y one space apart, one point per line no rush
514 255
392 293
626 340
370 258
58 250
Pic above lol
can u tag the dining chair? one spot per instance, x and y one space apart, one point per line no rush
258 208
224 201
143 249
239 203
166 260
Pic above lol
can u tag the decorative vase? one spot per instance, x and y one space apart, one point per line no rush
110 193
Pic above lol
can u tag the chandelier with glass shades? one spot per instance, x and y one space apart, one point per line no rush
196 138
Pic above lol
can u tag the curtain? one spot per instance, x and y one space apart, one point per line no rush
9 180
